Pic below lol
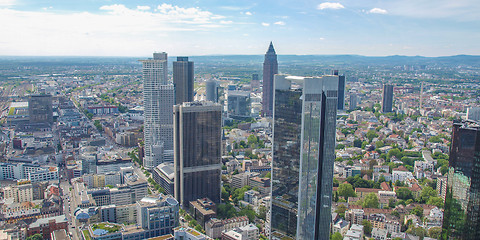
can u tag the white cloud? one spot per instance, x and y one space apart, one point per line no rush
329 5
378 11
226 22
145 8
117 30
281 23
248 13
7 3
322 38
265 24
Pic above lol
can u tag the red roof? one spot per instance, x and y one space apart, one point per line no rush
385 186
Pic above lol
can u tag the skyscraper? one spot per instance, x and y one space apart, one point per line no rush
305 110
158 101
183 75
461 219
211 90
270 68
354 100
198 163
40 108
387 98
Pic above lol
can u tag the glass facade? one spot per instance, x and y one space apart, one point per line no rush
198 130
462 201
303 156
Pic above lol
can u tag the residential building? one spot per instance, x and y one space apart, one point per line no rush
183 78
304 125
270 68
198 132
45 226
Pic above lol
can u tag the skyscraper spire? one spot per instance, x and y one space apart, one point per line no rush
270 68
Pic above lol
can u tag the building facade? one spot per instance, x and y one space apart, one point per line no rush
158 101
303 156
40 108
387 98
211 89
183 78
270 68
462 210
198 132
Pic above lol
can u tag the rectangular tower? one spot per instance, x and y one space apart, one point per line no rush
40 108
158 101
198 163
387 98
305 110
341 90
461 219
183 77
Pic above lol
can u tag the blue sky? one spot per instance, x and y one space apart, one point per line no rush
138 28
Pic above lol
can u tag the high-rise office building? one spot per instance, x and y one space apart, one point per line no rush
270 68
197 165
183 77
387 98
158 101
238 104
461 219
341 90
354 101
158 215
211 89
255 81
40 108
305 110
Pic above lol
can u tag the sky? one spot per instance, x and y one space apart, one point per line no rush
192 28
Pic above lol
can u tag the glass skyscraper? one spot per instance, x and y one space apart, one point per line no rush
270 68
387 98
461 219
305 110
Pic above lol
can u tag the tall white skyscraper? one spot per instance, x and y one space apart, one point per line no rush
158 101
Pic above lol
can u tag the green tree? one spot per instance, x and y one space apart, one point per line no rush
379 144
268 175
341 210
346 190
404 193
435 232
436 201
249 212
37 236
427 193
336 236
417 211
370 201
357 143
367 227
340 146
226 210
371 134
395 152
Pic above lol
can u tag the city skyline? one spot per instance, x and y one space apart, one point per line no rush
127 28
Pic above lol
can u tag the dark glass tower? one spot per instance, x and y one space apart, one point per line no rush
183 80
461 218
270 68
197 145
341 90
305 111
40 108
387 98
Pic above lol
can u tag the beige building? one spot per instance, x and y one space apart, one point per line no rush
19 194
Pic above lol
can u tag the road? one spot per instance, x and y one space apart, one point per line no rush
68 209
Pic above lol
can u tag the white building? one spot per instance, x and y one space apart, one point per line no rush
158 101
473 113
401 176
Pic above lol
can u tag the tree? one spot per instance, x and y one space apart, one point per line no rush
336 236
404 193
371 134
367 227
37 236
249 212
434 232
268 175
357 143
226 210
340 146
379 144
436 201
371 201
346 190
417 211
395 152
341 210
427 193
